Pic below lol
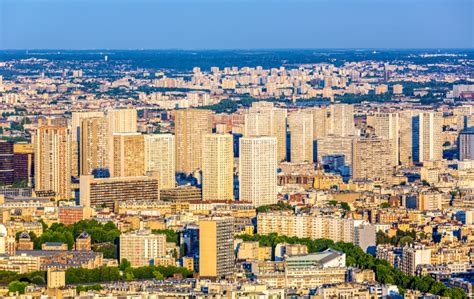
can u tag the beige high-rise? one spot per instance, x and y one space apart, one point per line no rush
94 141
129 155
300 124
76 121
342 120
334 145
216 247
263 119
320 119
430 142
52 160
373 159
122 120
159 157
387 125
217 167
406 136
258 170
190 127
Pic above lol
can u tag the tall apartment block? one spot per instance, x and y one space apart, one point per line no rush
216 247
372 159
160 158
52 160
190 127
142 247
217 167
342 120
387 125
262 119
320 121
94 147
129 155
258 170
301 135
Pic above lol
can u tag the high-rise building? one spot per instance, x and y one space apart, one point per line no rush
52 160
372 160
76 122
94 147
301 135
406 137
105 192
7 171
258 170
190 127
320 119
263 119
216 247
217 167
333 145
129 155
466 144
142 247
387 125
122 120
462 114
160 158
342 120
23 162
428 127
412 256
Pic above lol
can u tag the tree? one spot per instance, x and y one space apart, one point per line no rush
17 286
384 205
38 280
124 264
158 275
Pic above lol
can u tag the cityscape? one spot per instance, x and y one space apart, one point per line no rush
236 173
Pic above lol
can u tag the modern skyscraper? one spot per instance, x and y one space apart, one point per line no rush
263 119
428 126
160 158
320 119
129 155
406 136
216 247
94 141
7 171
120 120
76 122
23 161
301 133
217 167
466 144
372 160
387 125
258 170
342 120
190 127
52 160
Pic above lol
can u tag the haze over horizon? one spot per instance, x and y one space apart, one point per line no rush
235 24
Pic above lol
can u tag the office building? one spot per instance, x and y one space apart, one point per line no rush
428 127
94 147
262 119
300 124
372 160
216 247
160 158
23 162
341 120
406 119
7 171
333 145
142 247
129 155
466 144
258 170
387 125
217 167
52 161
190 127
105 192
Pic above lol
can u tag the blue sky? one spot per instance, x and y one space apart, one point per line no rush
231 24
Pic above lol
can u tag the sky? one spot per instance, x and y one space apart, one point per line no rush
235 24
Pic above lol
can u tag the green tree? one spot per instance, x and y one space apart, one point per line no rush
124 264
158 275
17 286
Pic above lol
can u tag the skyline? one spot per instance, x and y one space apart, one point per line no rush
233 24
